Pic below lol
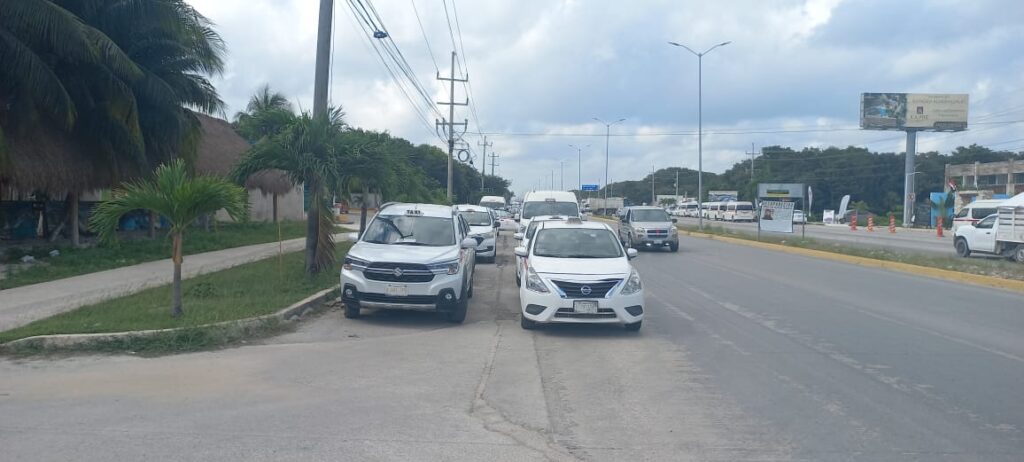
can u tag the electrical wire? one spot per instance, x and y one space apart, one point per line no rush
424 31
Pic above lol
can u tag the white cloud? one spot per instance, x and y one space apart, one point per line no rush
549 66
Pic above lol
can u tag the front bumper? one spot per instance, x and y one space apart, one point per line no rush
442 293
650 241
552 308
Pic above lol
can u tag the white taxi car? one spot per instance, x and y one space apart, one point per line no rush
412 257
483 228
579 272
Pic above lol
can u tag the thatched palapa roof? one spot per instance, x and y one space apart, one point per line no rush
49 161
220 148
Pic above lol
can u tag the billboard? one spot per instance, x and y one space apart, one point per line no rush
722 196
921 111
590 187
780 190
776 216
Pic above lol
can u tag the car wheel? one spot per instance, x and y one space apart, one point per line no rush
1018 255
674 246
458 314
526 324
469 293
634 326
961 248
351 311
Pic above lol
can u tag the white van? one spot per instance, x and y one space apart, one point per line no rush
554 203
493 202
710 209
738 211
690 209
972 213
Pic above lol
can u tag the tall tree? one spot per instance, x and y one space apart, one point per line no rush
179 197
310 153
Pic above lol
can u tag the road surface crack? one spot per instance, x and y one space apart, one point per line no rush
497 422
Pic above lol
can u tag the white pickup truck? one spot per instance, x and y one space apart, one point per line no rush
1001 233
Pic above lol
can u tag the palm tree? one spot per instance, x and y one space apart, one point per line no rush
309 153
370 166
179 197
267 113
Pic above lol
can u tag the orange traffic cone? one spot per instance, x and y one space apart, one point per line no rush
853 222
938 226
892 223
871 223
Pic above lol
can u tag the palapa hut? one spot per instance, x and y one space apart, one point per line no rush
47 162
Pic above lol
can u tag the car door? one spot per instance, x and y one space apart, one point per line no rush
985 235
625 226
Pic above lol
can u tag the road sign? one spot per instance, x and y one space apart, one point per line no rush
590 187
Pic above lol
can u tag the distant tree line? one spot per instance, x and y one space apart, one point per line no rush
873 180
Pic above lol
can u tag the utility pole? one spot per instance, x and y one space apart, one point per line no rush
494 161
448 126
677 185
552 179
323 58
561 175
752 153
607 137
653 196
483 165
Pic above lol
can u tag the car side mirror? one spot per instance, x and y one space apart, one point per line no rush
469 243
631 253
496 224
675 220
517 236
521 252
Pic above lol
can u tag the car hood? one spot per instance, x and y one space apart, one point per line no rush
474 230
964 229
403 253
652 224
581 267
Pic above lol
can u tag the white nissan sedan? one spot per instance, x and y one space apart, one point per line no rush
578 272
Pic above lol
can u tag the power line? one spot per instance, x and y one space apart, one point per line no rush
424 31
467 84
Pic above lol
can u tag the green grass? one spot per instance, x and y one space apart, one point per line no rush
984 266
244 291
73 262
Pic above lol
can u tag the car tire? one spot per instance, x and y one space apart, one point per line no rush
469 293
674 246
352 311
962 250
526 324
519 280
1018 255
634 326
458 314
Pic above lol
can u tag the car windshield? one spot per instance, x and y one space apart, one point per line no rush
533 209
410 230
744 207
576 243
493 205
477 218
650 215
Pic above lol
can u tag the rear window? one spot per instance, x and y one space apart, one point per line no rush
744 207
982 213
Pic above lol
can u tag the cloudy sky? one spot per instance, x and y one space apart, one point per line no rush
541 70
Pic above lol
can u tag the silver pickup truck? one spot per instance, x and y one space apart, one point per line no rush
649 227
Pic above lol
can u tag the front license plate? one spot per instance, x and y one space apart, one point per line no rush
396 290
585 306
657 242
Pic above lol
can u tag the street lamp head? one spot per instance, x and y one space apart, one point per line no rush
724 43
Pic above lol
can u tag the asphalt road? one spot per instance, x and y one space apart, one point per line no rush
904 240
746 354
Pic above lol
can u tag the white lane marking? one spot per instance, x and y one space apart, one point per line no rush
718 338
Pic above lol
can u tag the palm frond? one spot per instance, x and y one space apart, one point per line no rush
25 69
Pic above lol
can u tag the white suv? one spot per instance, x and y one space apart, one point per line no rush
411 256
483 226
580 273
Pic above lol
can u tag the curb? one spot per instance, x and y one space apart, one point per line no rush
917 270
976 279
58 341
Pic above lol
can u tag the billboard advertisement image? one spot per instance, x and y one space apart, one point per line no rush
776 216
922 111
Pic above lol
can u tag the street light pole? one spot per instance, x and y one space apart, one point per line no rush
561 175
700 128
607 136
579 167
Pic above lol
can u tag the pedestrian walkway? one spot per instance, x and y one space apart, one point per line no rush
22 305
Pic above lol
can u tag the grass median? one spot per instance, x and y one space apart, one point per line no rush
245 291
74 262
985 266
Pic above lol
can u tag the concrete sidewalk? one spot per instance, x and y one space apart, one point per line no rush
22 305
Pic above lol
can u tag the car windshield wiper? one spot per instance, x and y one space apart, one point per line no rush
395 227
413 243
374 241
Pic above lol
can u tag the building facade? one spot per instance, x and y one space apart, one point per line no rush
985 180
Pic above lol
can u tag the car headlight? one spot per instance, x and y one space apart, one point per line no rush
449 267
673 230
633 284
640 230
354 263
534 283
